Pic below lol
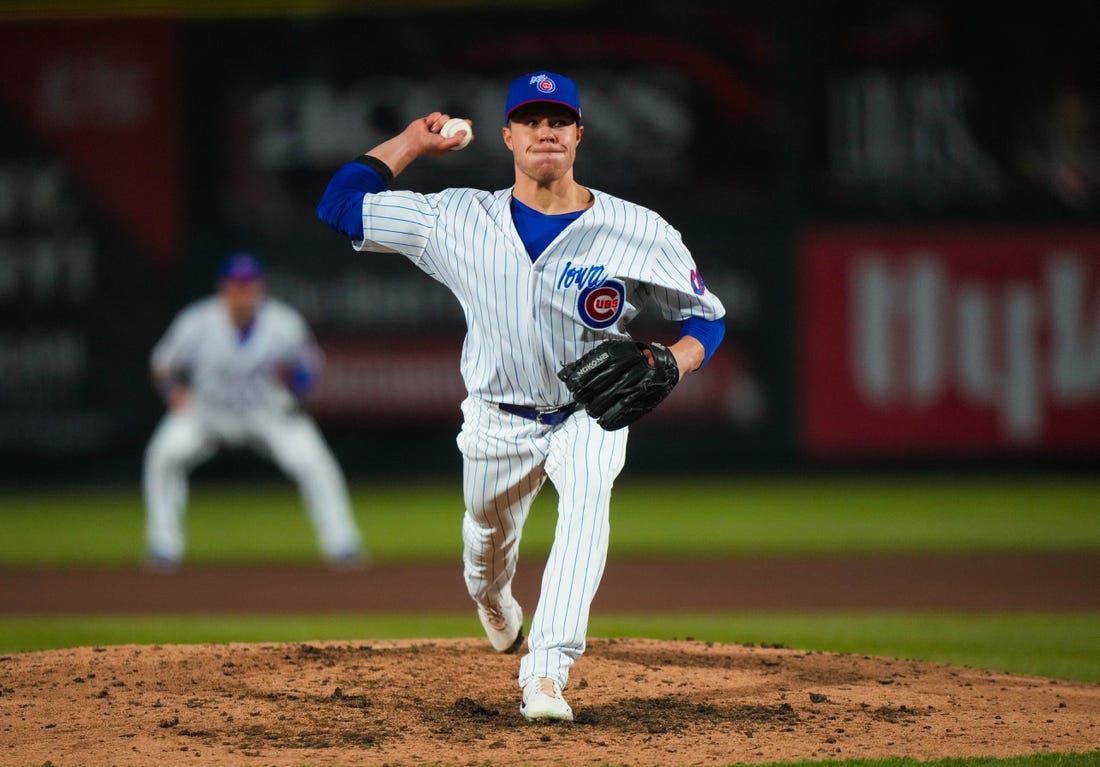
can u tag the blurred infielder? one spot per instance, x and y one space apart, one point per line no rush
546 272
232 368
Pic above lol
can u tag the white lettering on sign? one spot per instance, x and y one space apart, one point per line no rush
94 93
39 365
35 195
1017 346
311 123
47 269
911 130
46 254
1075 356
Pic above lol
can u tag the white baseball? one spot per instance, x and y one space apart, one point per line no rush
453 126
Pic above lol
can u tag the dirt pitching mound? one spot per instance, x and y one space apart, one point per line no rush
454 702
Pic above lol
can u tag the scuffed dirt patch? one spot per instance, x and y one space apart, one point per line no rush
454 702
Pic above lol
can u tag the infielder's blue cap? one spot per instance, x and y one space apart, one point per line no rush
542 87
241 267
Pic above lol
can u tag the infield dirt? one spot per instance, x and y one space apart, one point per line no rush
455 702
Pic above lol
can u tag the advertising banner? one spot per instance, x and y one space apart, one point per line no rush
415 380
90 229
925 110
950 342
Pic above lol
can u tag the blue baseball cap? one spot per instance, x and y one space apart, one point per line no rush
241 267
539 87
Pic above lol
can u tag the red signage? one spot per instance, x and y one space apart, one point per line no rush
418 379
950 341
104 96
374 380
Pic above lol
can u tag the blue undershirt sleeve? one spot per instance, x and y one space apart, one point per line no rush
707 332
341 205
301 379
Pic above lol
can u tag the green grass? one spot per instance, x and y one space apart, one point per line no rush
103 526
1064 646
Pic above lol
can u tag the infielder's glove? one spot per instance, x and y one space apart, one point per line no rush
616 383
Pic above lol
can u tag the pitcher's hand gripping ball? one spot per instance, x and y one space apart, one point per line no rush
616 382
453 126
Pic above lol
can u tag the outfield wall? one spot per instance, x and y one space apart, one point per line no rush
899 210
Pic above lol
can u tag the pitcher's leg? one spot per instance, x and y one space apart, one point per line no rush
501 475
583 462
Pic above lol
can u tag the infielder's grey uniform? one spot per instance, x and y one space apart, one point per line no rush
238 398
524 320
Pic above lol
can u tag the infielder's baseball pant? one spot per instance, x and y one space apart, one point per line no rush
182 441
296 445
506 459
178 444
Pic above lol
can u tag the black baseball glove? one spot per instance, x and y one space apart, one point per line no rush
617 384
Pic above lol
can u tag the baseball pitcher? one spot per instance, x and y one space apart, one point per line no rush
547 272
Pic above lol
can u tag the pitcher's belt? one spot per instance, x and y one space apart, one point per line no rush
548 416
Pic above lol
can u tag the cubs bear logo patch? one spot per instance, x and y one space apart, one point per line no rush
601 306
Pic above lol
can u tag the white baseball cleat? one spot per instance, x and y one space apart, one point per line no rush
503 625
542 699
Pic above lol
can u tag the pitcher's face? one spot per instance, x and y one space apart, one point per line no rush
543 139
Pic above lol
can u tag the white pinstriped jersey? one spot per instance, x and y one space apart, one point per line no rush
526 319
226 374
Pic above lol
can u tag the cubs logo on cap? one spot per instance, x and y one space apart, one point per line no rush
542 87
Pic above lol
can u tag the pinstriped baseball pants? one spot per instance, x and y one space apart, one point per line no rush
506 461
